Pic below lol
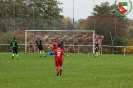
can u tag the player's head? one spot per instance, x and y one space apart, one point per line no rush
14 38
38 38
55 45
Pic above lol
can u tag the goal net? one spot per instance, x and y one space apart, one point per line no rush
76 41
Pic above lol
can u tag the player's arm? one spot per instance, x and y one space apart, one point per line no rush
11 44
55 53
63 54
41 43
50 46
63 58
16 44
35 42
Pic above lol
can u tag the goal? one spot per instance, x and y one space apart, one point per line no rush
76 41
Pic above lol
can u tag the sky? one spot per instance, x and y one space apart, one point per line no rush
81 9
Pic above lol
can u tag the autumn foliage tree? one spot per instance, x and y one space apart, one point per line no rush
105 23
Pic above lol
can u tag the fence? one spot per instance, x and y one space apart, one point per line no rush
104 49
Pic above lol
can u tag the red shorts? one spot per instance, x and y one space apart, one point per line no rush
58 62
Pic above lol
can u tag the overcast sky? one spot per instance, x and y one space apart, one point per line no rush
83 8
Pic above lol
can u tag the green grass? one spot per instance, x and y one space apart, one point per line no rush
79 71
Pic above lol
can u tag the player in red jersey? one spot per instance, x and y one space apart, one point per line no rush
59 53
54 44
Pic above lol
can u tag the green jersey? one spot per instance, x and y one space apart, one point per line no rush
39 42
14 44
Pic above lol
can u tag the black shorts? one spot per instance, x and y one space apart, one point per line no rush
96 50
40 47
15 50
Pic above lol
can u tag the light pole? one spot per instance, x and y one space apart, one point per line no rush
33 20
115 21
94 15
115 24
54 15
14 15
73 14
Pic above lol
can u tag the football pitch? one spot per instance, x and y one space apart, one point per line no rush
79 71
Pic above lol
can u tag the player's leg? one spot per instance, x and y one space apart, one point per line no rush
13 52
40 51
16 51
44 53
60 64
56 67
60 70
96 53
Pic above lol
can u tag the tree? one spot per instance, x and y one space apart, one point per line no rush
130 30
129 22
26 14
103 21
69 26
118 41
104 8
66 19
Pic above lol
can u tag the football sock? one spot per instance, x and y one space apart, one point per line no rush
60 71
43 53
57 69
95 54
57 73
13 54
17 55
40 52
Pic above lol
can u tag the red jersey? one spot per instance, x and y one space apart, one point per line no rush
58 52
55 45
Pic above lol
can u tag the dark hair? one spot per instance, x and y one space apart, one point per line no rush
14 38
59 45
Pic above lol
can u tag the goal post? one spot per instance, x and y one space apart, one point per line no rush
76 41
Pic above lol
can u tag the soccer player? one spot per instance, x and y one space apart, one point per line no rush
54 44
58 53
14 46
61 44
40 47
96 49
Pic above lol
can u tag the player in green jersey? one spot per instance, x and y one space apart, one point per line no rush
14 46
